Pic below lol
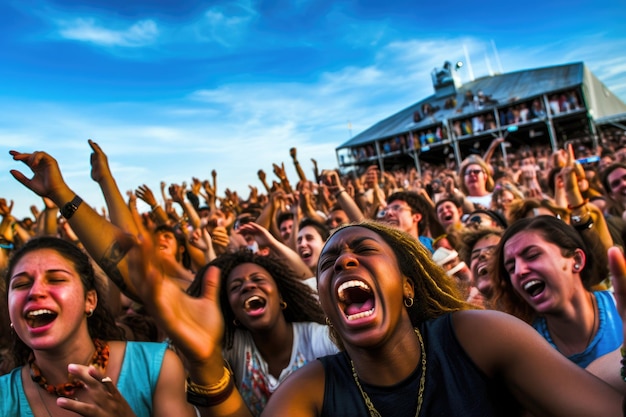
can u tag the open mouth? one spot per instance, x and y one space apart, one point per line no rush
305 254
254 304
39 318
357 299
482 270
534 287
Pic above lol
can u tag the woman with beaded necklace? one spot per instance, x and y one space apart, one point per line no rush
410 347
71 356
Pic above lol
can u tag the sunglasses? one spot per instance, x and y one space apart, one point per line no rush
474 172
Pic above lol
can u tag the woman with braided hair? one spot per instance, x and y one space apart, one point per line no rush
409 345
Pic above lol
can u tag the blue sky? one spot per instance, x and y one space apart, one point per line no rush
174 89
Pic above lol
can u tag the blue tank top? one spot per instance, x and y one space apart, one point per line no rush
137 381
454 384
610 334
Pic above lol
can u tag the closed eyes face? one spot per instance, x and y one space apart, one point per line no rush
46 297
537 267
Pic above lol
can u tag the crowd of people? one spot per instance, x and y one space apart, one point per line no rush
494 289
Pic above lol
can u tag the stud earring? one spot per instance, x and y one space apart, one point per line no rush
576 267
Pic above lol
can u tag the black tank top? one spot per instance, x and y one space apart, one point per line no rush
454 385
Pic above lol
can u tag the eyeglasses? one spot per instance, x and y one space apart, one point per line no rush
477 221
473 172
395 209
241 221
487 251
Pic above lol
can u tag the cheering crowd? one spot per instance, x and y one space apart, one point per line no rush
497 287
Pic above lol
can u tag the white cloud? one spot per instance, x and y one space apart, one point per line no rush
141 33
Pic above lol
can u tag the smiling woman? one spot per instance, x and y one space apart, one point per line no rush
69 349
272 323
543 275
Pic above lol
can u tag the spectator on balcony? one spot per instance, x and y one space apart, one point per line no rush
476 181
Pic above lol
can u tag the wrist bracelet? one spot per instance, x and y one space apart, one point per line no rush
202 400
581 227
339 192
579 205
156 206
211 395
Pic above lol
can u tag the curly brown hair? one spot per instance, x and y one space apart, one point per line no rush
302 304
101 324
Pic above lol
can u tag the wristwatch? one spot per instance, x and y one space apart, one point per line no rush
578 219
70 208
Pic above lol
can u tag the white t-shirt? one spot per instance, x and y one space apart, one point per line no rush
255 383
484 201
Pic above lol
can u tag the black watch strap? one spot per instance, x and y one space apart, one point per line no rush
70 208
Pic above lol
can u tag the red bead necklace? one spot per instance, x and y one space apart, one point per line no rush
100 359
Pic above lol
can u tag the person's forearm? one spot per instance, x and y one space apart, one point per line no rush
119 213
102 240
348 205
50 224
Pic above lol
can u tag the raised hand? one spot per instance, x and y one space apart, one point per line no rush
5 209
263 178
99 163
195 325
47 180
144 193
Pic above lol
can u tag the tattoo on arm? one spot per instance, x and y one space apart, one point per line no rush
111 257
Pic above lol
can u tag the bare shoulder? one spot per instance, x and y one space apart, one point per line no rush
300 395
493 338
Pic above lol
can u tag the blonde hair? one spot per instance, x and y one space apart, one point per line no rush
471 160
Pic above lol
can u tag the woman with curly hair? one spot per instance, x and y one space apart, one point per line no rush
68 349
272 323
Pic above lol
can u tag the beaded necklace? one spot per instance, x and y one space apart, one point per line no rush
420 396
99 359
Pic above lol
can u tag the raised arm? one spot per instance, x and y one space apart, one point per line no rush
105 242
119 213
265 238
195 326
331 179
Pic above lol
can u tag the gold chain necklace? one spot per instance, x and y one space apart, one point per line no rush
420 395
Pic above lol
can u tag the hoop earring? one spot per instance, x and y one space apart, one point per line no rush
408 302
236 323
283 305
328 322
90 313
